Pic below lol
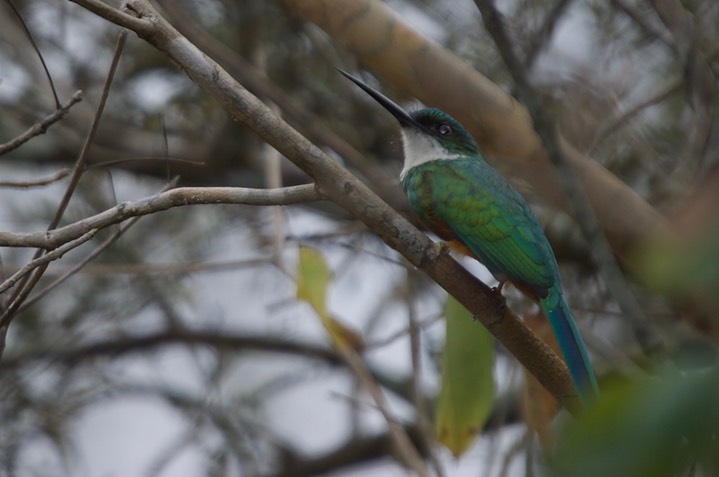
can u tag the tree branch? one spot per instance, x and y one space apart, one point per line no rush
46 258
182 196
58 176
28 282
41 126
131 344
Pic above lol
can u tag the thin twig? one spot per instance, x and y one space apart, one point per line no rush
58 176
602 253
404 444
116 16
91 256
39 54
646 27
143 159
45 259
41 126
544 35
424 421
179 197
163 269
29 281
615 125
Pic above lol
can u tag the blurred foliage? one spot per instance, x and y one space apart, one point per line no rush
666 425
468 391
313 278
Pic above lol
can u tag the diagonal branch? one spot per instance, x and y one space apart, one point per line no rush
41 126
337 184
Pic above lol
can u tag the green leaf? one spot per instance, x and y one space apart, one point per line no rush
313 278
467 393
657 427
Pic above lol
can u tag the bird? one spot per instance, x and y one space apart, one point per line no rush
464 201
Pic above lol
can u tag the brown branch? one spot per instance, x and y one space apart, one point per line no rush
351 453
41 126
132 344
58 176
182 196
338 185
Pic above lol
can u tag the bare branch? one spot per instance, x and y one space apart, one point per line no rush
37 50
130 344
45 259
58 176
29 281
542 38
87 259
118 17
627 116
646 27
408 452
424 420
41 126
179 197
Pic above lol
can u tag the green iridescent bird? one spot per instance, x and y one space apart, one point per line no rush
462 199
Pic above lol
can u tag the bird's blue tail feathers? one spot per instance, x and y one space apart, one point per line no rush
571 344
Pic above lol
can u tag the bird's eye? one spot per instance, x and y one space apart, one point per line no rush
444 129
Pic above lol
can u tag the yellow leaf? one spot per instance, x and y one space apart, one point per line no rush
467 394
313 278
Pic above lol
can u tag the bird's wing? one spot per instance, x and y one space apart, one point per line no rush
495 223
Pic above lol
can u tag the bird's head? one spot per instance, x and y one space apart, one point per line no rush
428 132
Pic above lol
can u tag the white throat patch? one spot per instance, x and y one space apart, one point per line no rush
420 148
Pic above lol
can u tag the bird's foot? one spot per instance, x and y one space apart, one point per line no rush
498 291
498 288
444 247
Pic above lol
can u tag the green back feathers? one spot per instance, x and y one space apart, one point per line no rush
468 198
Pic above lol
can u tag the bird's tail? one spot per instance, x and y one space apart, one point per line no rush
571 344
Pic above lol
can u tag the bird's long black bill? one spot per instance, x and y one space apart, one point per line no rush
402 116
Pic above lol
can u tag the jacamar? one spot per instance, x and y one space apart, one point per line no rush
461 198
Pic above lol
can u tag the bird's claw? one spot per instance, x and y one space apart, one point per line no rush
498 288
444 247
